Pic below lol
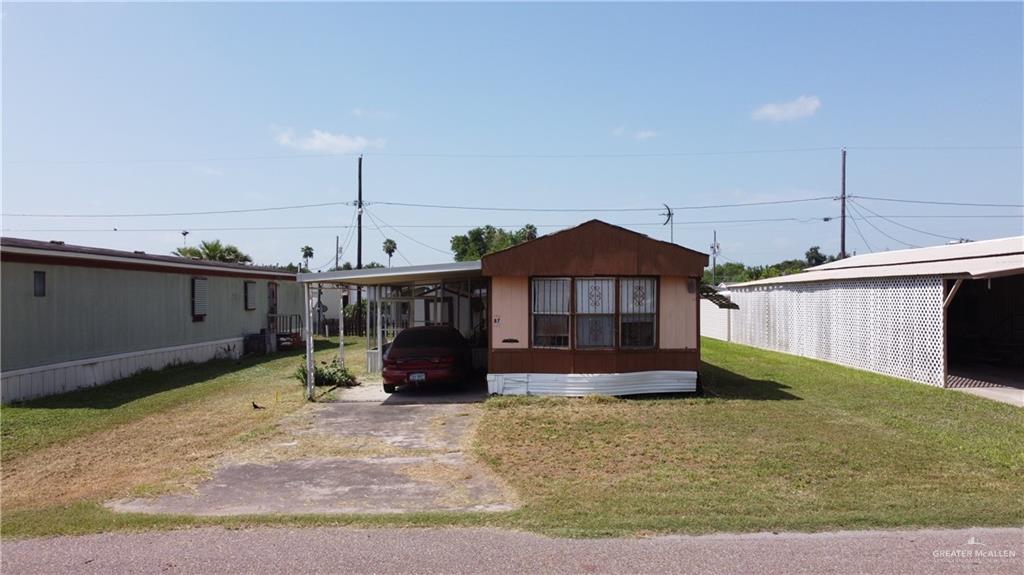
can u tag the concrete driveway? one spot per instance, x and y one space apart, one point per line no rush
367 453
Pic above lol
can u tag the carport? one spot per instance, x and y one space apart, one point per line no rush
453 294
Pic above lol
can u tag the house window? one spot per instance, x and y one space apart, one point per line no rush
39 284
200 298
595 313
550 309
638 312
250 296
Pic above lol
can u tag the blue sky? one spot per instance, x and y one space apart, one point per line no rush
194 107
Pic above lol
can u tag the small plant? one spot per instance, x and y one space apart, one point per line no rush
332 374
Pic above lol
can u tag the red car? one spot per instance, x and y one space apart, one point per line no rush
426 356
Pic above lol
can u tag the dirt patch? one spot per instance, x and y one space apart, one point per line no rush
348 458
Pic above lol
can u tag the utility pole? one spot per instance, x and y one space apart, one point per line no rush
337 249
842 200
359 219
714 258
359 231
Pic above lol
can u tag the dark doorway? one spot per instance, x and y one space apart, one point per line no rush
985 333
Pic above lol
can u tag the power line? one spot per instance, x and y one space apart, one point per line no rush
937 203
408 226
592 210
383 235
927 233
509 156
373 217
165 214
879 230
856 227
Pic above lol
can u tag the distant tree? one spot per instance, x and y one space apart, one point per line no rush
390 247
373 265
814 256
307 254
343 267
481 241
214 251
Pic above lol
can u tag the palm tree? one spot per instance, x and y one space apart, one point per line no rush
214 251
307 254
390 247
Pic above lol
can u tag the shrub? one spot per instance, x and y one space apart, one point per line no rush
332 374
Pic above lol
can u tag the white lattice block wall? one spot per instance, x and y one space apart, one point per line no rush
889 325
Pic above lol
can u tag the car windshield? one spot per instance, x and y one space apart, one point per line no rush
428 338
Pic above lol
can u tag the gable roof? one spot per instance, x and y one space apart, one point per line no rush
595 248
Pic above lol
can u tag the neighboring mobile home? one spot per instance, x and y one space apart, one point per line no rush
75 316
594 309
949 316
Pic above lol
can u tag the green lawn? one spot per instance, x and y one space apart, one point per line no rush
778 442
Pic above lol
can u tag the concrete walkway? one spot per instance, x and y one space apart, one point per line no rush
337 550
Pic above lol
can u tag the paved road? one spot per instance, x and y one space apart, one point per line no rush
338 550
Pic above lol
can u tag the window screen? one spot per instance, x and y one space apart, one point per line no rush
250 295
595 313
550 312
39 284
638 311
200 298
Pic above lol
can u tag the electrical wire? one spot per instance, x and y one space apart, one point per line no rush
879 230
927 233
856 226
165 214
445 252
934 202
512 156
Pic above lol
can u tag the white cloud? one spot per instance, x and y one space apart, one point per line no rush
645 135
802 107
326 142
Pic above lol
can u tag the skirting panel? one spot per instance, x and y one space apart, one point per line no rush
29 383
887 325
580 384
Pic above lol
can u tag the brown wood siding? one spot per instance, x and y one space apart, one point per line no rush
574 361
595 249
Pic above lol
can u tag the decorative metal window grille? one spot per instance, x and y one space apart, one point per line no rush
638 312
887 325
550 309
200 298
595 313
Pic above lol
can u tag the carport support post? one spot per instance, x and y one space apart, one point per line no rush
308 334
341 330
380 333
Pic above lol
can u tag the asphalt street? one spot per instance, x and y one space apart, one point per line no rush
341 550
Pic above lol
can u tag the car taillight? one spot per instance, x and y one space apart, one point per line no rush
446 359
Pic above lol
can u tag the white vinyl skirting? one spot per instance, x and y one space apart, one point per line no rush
580 384
43 380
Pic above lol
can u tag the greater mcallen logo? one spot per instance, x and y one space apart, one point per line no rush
974 549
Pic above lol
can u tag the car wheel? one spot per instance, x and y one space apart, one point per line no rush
389 388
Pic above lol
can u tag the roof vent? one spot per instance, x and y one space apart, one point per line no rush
58 242
140 252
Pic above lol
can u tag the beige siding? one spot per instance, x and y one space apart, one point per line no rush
90 312
510 312
677 319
